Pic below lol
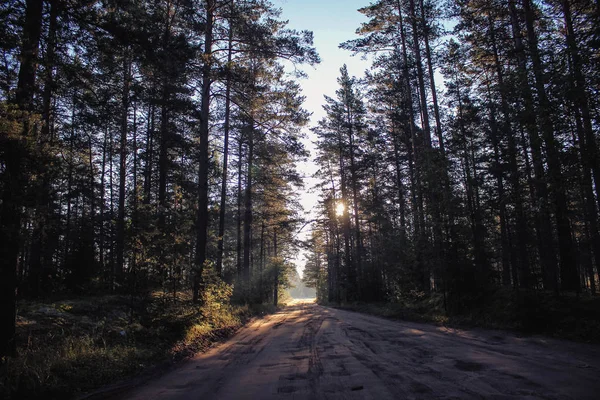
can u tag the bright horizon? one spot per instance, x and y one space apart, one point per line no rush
332 22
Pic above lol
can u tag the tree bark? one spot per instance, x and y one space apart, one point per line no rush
436 108
123 168
276 283
223 203
540 196
568 260
239 211
420 75
520 259
15 178
248 215
354 183
149 150
588 144
39 252
202 218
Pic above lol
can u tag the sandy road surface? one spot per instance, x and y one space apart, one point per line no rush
313 352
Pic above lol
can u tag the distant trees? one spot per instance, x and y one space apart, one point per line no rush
491 184
340 136
117 123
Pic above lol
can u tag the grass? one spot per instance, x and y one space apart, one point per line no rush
527 312
70 347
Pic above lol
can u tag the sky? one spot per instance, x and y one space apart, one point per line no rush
332 22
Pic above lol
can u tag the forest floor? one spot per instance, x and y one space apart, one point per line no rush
568 316
72 346
307 351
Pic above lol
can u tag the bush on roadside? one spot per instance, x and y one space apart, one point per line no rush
73 346
530 312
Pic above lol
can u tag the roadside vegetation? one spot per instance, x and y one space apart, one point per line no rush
68 347
526 312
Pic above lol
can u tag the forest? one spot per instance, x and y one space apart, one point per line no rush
489 182
149 172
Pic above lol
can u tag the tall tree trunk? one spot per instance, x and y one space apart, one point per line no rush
67 238
223 202
47 131
149 150
399 184
540 197
420 75
477 229
568 260
582 97
248 212
91 229
590 212
134 217
431 174
123 167
111 207
436 108
354 183
413 156
165 131
331 279
39 235
10 208
261 262
202 220
239 210
505 249
163 156
102 239
334 256
588 145
276 283
520 259
349 278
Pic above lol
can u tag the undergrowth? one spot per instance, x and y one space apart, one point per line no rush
528 312
72 346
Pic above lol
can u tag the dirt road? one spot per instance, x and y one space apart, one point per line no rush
313 352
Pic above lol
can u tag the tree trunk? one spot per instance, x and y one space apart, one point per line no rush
354 183
248 216
15 178
102 239
39 259
477 229
348 279
413 157
239 211
149 151
123 167
223 202
276 283
436 108
163 157
540 196
588 145
519 261
261 262
420 75
501 204
568 260
202 219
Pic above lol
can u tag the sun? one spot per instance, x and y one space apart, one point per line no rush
339 209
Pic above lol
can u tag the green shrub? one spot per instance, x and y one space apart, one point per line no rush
77 345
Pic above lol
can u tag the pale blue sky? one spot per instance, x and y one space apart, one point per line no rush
332 22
